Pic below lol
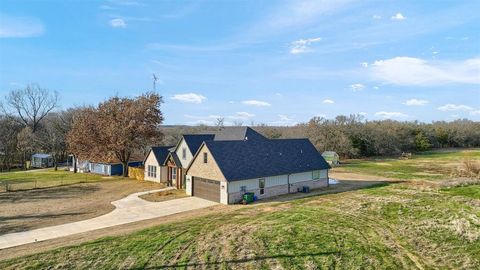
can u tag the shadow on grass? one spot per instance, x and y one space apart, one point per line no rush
342 186
59 192
207 265
5 228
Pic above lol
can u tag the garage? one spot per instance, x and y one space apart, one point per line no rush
206 189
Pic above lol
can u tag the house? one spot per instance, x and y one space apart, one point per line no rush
110 168
153 162
41 161
103 167
180 158
223 171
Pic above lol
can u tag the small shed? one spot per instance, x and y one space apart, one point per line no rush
331 157
41 161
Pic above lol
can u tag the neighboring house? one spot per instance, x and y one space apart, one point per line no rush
108 167
180 158
223 171
331 157
41 161
154 169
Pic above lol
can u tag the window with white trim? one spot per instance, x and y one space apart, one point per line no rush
315 175
184 153
205 157
174 173
261 185
152 171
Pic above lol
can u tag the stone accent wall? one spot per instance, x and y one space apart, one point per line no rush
313 184
235 197
269 192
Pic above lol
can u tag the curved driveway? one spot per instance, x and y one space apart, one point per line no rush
127 210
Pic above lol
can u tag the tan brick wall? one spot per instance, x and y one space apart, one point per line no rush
209 170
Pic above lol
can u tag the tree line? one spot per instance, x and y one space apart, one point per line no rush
113 131
119 128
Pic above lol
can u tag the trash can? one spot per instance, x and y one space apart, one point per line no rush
306 189
248 197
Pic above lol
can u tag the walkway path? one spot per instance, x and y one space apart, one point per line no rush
129 209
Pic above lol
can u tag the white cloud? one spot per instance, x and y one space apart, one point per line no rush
415 102
364 64
391 115
376 17
285 118
257 103
455 107
117 23
189 98
302 45
475 112
376 87
398 17
415 71
241 116
357 87
363 113
328 101
20 27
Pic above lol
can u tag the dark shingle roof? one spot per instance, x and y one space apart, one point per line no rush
237 134
240 160
161 153
195 141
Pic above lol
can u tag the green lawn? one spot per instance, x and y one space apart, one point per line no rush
44 178
414 224
390 226
433 165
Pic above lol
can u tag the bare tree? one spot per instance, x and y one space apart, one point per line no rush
32 104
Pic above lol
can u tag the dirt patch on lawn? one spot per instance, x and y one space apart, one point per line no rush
164 195
340 174
32 209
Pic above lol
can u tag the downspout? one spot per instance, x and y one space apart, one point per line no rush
288 183
328 180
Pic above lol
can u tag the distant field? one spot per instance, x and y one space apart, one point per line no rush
25 180
433 165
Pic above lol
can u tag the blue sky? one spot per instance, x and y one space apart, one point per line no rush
272 62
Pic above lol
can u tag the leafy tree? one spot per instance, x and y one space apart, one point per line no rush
421 142
116 129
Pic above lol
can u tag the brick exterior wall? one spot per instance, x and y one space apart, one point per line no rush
207 170
313 184
235 197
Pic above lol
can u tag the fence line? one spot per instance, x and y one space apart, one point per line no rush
7 186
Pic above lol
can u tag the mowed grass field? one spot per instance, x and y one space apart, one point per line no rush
407 225
432 165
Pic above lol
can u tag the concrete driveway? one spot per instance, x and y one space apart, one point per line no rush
127 210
